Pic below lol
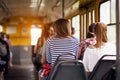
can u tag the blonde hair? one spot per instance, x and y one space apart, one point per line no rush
100 31
62 28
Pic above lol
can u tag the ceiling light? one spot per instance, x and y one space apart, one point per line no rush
34 0
33 5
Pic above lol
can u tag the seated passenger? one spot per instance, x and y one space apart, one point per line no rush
40 48
90 40
94 52
62 42
72 33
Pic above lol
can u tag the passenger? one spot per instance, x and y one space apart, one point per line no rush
4 53
36 60
7 39
72 33
62 42
90 40
94 52
47 32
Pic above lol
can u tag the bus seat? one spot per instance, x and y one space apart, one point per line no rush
102 67
68 70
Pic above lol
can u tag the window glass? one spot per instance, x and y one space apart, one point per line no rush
35 34
108 16
90 18
111 33
93 16
105 12
113 11
84 25
1 28
76 25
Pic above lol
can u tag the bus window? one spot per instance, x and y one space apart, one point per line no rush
90 18
108 16
85 26
35 34
111 33
1 28
76 25
105 12
113 11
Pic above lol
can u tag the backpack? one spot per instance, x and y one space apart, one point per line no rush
3 50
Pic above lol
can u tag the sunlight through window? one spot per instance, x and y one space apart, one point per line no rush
0 28
35 34
76 25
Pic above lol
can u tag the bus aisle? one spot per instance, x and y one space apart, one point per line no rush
21 72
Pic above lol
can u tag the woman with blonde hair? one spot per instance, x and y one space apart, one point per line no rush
102 47
90 40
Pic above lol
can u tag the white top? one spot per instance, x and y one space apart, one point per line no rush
42 49
92 55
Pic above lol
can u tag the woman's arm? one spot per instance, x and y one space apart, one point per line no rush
48 53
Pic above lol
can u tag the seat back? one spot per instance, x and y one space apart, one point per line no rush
68 70
62 57
102 67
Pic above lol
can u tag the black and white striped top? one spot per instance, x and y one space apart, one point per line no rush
57 46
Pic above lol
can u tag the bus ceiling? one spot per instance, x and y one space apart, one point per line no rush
48 9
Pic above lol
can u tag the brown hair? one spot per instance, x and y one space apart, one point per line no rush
100 31
44 36
45 33
90 34
62 28
72 30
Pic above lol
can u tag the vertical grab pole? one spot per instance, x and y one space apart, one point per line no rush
63 8
118 38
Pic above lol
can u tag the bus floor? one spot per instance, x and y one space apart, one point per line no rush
21 72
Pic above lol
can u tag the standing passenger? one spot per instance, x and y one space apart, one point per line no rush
94 52
7 39
4 50
62 42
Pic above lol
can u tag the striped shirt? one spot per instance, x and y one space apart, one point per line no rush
57 46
